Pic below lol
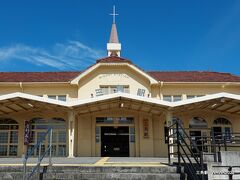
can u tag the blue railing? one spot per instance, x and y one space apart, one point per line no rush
38 146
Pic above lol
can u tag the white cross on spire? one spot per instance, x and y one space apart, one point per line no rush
114 15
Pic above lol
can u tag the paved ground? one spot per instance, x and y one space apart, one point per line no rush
137 159
55 160
89 161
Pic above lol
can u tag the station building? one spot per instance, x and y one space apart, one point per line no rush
114 108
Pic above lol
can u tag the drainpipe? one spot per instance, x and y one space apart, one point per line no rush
21 86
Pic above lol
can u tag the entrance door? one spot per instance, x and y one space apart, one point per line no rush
115 141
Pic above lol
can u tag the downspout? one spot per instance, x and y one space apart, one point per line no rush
21 86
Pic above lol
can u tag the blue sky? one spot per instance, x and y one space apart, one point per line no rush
69 35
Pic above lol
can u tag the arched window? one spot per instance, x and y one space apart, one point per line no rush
39 126
8 137
222 127
197 123
222 121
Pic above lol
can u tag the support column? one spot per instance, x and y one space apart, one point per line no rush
71 129
169 117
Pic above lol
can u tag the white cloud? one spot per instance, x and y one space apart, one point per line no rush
72 55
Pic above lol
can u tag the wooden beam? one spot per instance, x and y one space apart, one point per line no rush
226 109
4 112
11 108
237 111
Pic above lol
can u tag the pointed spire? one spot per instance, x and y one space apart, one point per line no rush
113 46
114 34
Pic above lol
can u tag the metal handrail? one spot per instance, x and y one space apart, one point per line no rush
38 146
184 143
191 167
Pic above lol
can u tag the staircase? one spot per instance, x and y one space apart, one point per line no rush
94 173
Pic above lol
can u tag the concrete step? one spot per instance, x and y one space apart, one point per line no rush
96 169
117 176
111 169
95 173
96 176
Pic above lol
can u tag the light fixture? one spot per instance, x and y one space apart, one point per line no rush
214 105
121 105
30 105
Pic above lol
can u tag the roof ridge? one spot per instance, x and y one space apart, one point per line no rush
110 59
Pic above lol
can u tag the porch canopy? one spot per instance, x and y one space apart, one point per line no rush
219 103
123 101
21 102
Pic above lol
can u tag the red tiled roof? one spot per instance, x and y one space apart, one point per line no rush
37 76
194 76
174 76
113 59
166 76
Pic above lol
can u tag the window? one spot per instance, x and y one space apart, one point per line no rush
117 120
167 98
177 98
125 120
193 96
132 134
52 97
8 137
198 123
38 128
98 133
111 89
62 98
172 98
222 127
104 120
102 91
58 97
190 96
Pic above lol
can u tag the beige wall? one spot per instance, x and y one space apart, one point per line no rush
42 89
143 147
185 89
112 76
